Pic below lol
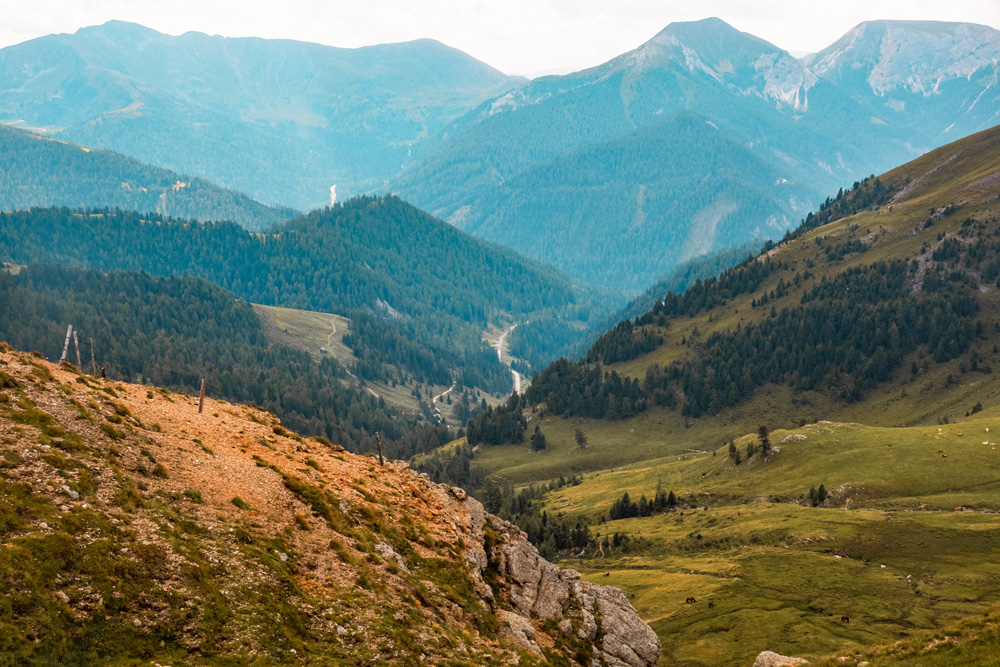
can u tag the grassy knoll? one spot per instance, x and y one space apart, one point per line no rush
307 331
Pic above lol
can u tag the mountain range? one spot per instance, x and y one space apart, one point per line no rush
700 139
281 120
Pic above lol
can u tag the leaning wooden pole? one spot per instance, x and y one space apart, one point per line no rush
69 332
76 344
93 361
378 443
201 398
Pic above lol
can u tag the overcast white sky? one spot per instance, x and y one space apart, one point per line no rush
516 36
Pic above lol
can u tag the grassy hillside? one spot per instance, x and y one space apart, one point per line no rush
308 331
40 172
906 460
905 541
138 530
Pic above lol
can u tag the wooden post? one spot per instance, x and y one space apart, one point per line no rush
201 399
93 362
69 332
378 443
76 344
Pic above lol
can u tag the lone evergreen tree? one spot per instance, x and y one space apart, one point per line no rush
538 439
764 436
581 438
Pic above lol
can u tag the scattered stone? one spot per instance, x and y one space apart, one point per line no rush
566 626
74 495
772 659
137 622
62 597
458 492
341 631
282 556
389 553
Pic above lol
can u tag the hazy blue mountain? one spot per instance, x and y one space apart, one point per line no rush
938 79
279 119
37 171
702 138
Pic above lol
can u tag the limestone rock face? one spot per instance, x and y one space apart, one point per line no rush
536 589
772 659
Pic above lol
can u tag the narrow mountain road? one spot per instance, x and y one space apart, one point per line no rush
514 374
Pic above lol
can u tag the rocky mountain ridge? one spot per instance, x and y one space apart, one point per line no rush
136 525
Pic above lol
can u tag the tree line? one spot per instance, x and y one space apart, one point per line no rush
172 332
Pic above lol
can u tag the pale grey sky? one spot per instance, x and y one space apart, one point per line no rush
516 36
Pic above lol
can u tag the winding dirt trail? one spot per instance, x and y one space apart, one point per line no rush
329 342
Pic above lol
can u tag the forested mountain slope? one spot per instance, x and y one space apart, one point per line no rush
38 171
418 291
879 309
281 120
175 331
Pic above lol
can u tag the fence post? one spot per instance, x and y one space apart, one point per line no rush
201 399
69 332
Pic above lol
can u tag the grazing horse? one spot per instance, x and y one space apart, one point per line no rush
690 601
845 619
607 574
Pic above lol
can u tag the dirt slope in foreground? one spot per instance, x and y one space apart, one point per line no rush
136 530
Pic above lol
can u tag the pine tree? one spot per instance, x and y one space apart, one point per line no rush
764 436
538 439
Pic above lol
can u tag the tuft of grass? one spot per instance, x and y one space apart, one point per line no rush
240 503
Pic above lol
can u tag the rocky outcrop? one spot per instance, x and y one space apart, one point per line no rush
772 659
528 590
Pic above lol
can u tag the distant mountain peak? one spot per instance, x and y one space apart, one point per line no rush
917 56
732 57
